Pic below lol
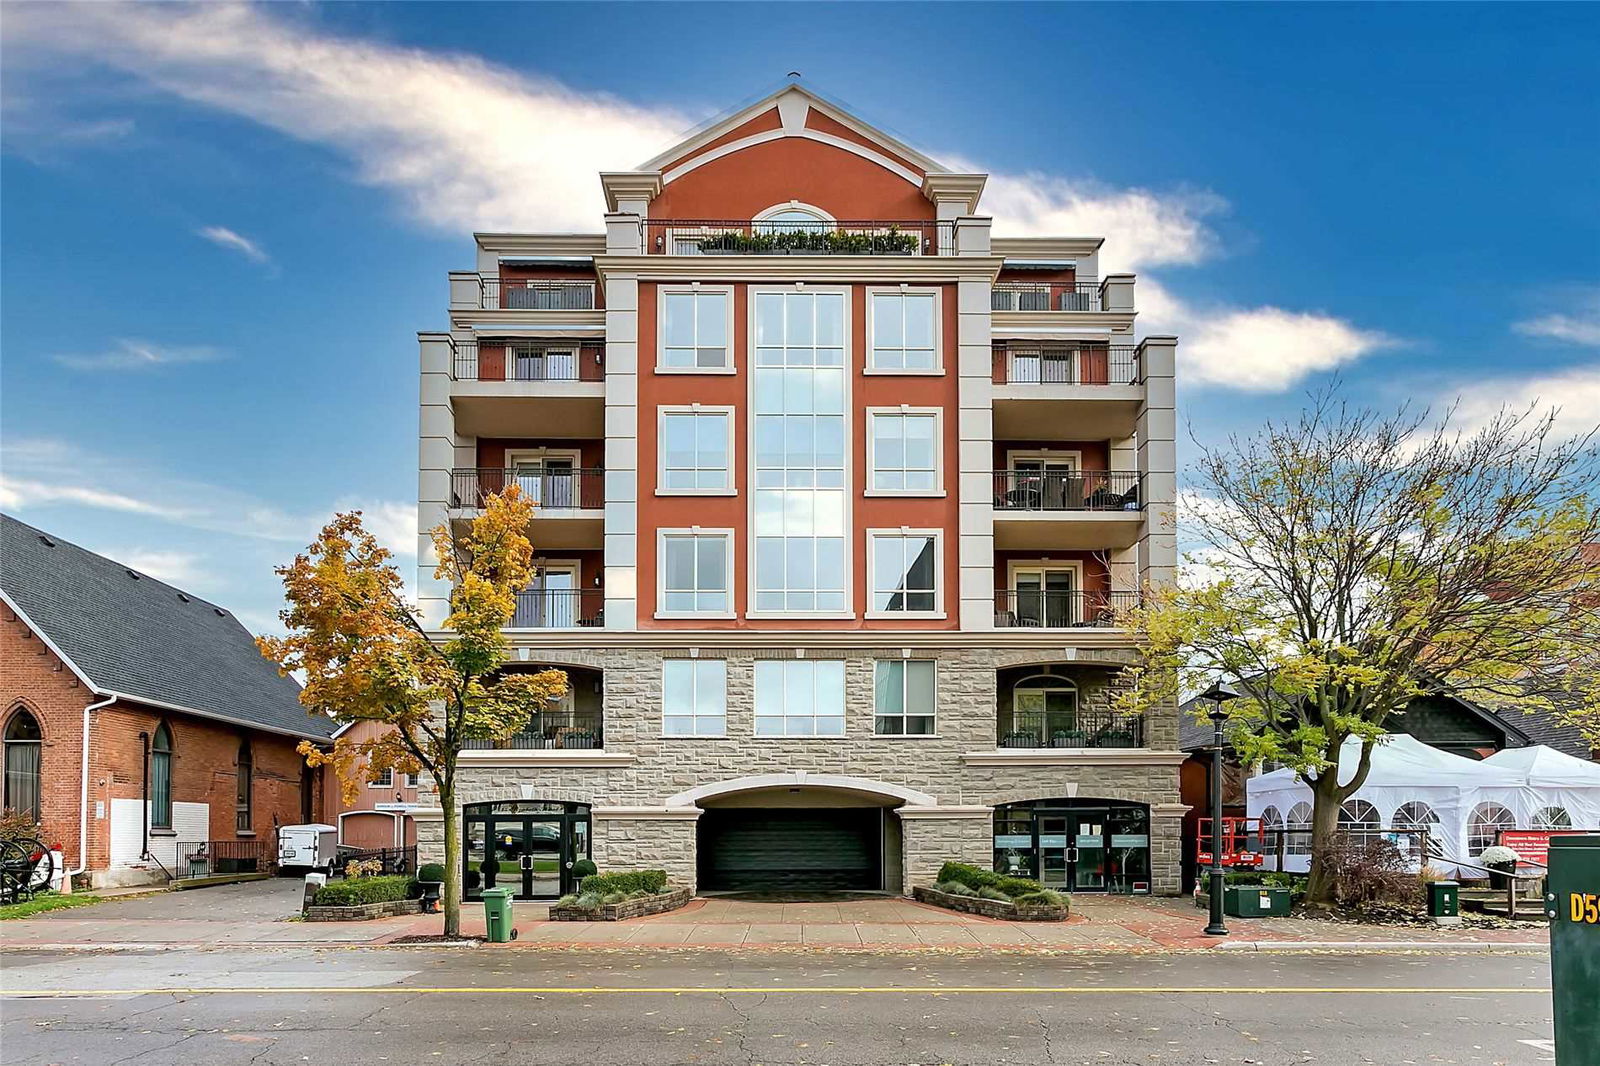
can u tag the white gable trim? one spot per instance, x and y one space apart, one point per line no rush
772 135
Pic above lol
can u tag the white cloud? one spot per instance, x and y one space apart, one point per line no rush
1142 228
1582 326
466 143
18 494
1572 394
138 355
223 237
394 524
173 567
1260 349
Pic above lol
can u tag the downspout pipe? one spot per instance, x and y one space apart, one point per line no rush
83 792
144 799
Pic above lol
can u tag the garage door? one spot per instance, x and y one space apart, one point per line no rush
791 849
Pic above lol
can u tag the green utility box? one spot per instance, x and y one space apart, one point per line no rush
1572 903
497 915
1255 901
1444 899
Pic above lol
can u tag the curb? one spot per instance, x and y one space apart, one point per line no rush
1381 945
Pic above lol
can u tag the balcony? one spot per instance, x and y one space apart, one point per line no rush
515 360
1069 728
789 237
555 608
569 512
1032 379
1041 510
1060 609
501 387
535 294
558 730
1045 296
1044 365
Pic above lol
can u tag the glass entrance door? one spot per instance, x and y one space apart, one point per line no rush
1055 853
528 847
1089 850
1073 845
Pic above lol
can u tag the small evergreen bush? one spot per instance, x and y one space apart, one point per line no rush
956 888
588 901
1043 898
990 892
431 871
569 900
355 891
626 881
584 868
975 877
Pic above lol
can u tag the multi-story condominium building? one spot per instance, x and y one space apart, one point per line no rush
839 500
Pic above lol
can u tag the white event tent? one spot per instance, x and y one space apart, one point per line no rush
1462 803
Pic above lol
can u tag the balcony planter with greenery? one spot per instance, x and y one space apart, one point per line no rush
431 878
811 242
1068 738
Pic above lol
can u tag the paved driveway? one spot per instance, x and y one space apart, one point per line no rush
271 900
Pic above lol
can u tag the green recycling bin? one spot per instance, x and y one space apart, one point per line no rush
1572 903
1444 899
497 915
1255 901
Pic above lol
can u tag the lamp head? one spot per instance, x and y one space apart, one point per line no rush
1219 694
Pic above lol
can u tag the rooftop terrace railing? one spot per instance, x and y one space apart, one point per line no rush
536 294
1045 296
1022 363
845 237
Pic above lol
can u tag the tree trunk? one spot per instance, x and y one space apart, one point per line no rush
1324 824
452 856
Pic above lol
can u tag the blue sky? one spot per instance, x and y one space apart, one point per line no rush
224 226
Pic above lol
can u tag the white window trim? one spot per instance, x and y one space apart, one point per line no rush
1016 566
385 785
541 567
905 736
693 714
844 712
661 329
938 573
661 447
750 459
794 205
1047 455
661 570
937 370
938 451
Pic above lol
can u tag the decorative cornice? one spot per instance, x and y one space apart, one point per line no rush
815 268
966 188
481 757
950 811
1007 323
1046 247
487 319
535 244
1073 757
1054 642
644 814
622 185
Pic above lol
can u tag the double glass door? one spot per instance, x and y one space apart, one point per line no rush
548 482
1046 598
1072 851
1074 845
529 852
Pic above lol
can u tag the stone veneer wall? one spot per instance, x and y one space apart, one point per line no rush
663 767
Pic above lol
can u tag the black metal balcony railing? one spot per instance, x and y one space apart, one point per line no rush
511 361
551 488
700 236
551 731
536 294
1045 296
559 609
1066 364
1068 490
1060 609
1069 729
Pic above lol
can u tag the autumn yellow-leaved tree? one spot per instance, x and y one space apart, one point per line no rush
365 657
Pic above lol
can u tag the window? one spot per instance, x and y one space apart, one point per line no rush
904 572
903 697
24 745
533 362
694 329
1415 815
799 698
244 804
1044 714
1298 827
161 778
384 780
904 325
799 498
1042 596
413 781
694 568
903 451
694 698
1359 814
1484 825
1551 818
1271 818
696 445
792 217
308 794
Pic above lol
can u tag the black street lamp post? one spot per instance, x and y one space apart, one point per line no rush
1218 694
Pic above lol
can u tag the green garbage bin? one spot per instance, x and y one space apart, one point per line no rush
497 915
1255 901
1444 899
1572 903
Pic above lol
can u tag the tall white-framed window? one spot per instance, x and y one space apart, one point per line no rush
553 598
1042 594
903 327
694 698
905 451
550 477
799 697
800 561
695 329
385 780
904 570
693 571
903 697
695 451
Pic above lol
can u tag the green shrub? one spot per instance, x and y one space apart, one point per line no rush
569 900
1018 886
1238 877
956 888
431 872
1043 898
976 877
990 892
584 868
354 891
947 887
588 901
640 894
625 881
612 898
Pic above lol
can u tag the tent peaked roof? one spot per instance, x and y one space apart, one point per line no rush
1401 759
1542 765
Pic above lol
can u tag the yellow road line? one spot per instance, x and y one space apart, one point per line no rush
950 990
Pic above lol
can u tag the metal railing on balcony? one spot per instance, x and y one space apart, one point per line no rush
536 294
550 488
1045 296
700 236
1020 363
1069 728
1068 490
559 609
491 360
1060 608
552 731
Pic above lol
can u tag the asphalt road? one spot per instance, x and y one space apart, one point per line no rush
354 1006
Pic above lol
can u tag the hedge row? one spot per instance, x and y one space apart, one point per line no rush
354 891
976 877
625 881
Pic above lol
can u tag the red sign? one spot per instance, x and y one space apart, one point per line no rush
1533 845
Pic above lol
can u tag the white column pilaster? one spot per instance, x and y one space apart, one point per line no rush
622 444
436 455
975 440
1158 460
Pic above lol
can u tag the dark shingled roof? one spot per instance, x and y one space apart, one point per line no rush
144 639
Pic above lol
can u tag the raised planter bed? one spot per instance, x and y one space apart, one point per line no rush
670 900
364 911
990 908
